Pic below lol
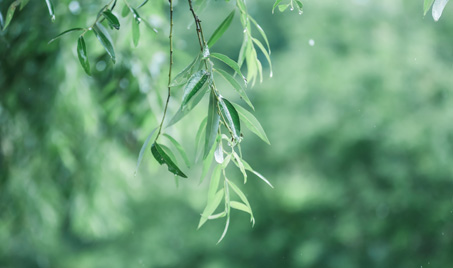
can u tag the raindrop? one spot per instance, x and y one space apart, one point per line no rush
311 42
292 8
271 74
53 18
300 12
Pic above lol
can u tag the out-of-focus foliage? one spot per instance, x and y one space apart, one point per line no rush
359 114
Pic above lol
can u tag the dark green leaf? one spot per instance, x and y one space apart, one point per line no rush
163 158
65 32
225 59
230 117
82 54
221 29
105 40
51 9
135 32
426 6
236 86
180 149
1 21
112 19
275 5
212 124
10 13
251 122
193 86
300 6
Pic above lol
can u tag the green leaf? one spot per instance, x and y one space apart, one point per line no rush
82 54
265 53
135 13
51 9
163 158
283 7
207 164
106 41
240 165
275 5
23 3
65 32
125 11
181 77
426 6
10 13
236 86
179 148
230 118
142 150
249 168
135 32
225 59
212 124
143 3
300 6
226 228
240 206
200 134
193 86
215 181
240 194
242 6
438 8
251 123
111 18
263 34
1 21
211 207
221 29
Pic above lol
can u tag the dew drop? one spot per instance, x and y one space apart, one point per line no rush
53 18
292 8
300 12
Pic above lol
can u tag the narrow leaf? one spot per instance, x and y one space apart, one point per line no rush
225 59
51 9
266 54
236 86
263 34
10 13
215 181
179 148
135 32
82 54
226 229
193 86
217 216
199 146
240 206
211 207
251 123
207 164
135 13
249 168
181 77
212 124
142 150
230 118
283 7
221 29
163 158
275 5
65 32
106 41
239 193
426 6
438 8
143 3
111 18
240 165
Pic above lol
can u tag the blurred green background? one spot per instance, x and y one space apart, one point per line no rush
359 113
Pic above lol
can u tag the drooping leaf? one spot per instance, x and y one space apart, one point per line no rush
199 145
143 149
111 18
239 89
300 6
179 148
163 158
227 207
240 206
135 13
135 32
221 29
1 21
51 9
251 123
438 8
227 224
275 5
225 59
265 53
143 3
211 207
426 6
193 86
263 34
181 77
82 54
212 124
242 6
239 193
215 181
106 41
249 168
65 32
207 162
230 117
10 13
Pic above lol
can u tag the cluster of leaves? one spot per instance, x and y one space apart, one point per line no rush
438 7
21 4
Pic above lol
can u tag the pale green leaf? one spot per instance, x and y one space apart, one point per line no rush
221 29
239 89
179 148
135 32
265 53
211 207
212 124
106 41
283 7
426 6
225 59
275 5
251 123
143 149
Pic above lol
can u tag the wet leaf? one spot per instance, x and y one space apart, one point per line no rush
82 54
111 18
193 86
251 123
179 148
239 89
212 124
51 9
275 5
142 150
163 158
106 41
230 118
225 59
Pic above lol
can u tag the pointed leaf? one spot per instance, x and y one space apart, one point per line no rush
179 148
239 193
249 168
251 123
65 32
240 206
221 29
106 41
236 86
143 3
207 162
82 54
111 18
10 13
283 7
230 118
211 207
438 8
263 34
215 181
265 53
426 6
51 9
225 59
212 124
240 165
199 146
23 3
226 229
275 5
194 84
163 158
135 32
